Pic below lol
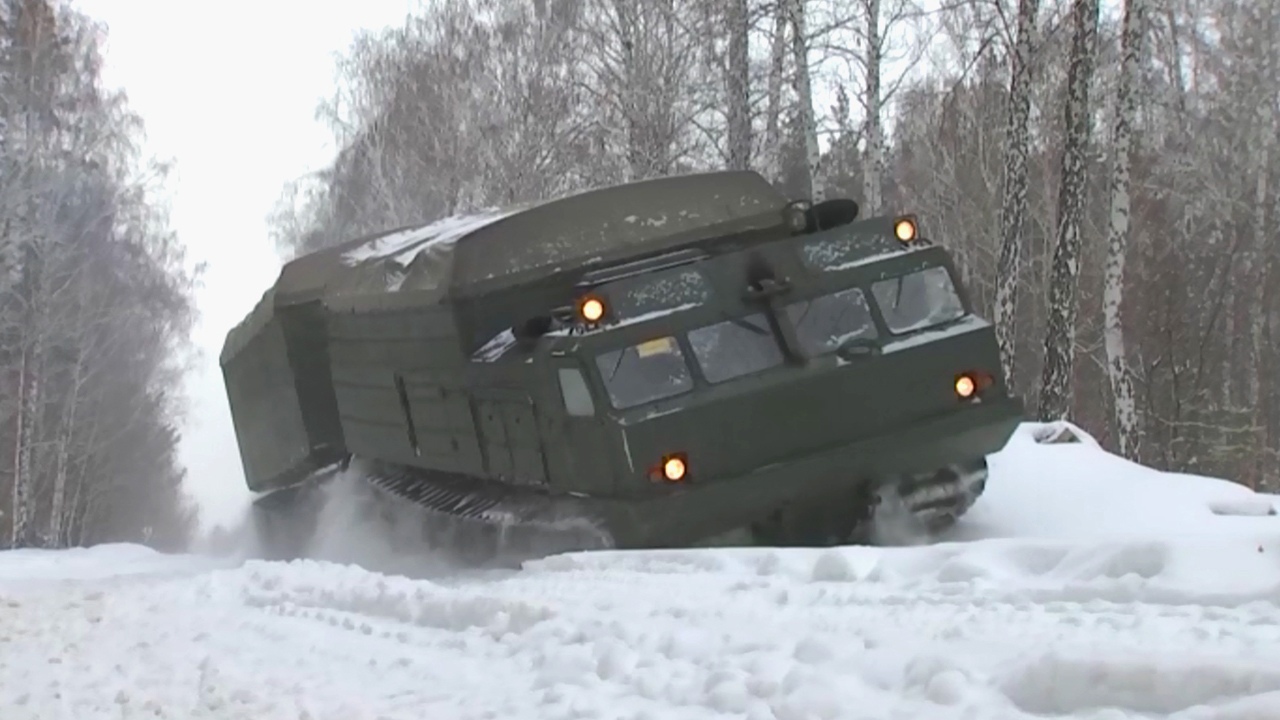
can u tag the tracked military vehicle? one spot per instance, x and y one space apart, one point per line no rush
662 362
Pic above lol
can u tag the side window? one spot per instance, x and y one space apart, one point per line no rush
645 372
576 393
825 323
918 300
735 348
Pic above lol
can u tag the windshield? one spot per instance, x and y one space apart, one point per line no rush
645 372
918 300
825 323
735 347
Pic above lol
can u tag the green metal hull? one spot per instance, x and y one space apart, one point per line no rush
803 368
815 485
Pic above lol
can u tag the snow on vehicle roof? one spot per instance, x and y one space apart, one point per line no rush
482 251
401 246
476 253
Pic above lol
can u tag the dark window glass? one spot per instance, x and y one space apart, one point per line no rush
825 323
918 300
646 372
735 348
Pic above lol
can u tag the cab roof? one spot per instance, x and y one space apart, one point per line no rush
472 254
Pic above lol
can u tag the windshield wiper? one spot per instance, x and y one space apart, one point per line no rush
621 354
860 346
745 324
808 305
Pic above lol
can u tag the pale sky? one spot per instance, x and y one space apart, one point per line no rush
228 90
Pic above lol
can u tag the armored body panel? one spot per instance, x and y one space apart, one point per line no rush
673 359
393 319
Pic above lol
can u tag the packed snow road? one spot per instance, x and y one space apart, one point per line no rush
1085 587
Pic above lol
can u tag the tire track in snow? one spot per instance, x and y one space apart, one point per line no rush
671 632
759 634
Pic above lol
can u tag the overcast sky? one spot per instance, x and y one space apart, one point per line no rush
228 90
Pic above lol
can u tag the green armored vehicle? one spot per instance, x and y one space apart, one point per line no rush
661 362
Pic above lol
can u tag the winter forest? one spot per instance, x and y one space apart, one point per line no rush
1107 174
95 304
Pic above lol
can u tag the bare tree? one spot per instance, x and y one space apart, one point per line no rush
739 84
873 166
1013 209
94 301
1060 336
777 71
807 123
1125 409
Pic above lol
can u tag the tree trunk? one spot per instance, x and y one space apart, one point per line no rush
873 167
1059 342
73 523
21 490
777 66
25 441
1124 407
804 98
1013 208
739 86
1263 237
57 506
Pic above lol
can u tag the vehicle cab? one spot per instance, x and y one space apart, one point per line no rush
702 366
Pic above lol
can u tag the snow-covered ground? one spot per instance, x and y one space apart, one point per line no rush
1081 586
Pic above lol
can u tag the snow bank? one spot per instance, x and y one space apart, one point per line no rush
96 562
1082 587
1076 490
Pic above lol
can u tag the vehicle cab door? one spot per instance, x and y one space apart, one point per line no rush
578 441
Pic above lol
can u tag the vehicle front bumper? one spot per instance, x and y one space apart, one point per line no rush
696 511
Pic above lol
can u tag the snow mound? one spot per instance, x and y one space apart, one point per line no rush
1077 490
99 561
1059 433
1081 587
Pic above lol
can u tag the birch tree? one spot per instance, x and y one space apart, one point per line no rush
1013 207
1060 335
1125 408
873 165
739 84
777 69
94 302
644 67
807 123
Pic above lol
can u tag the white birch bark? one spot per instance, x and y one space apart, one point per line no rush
1124 408
1060 336
1013 207
804 99
29 397
62 463
873 165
